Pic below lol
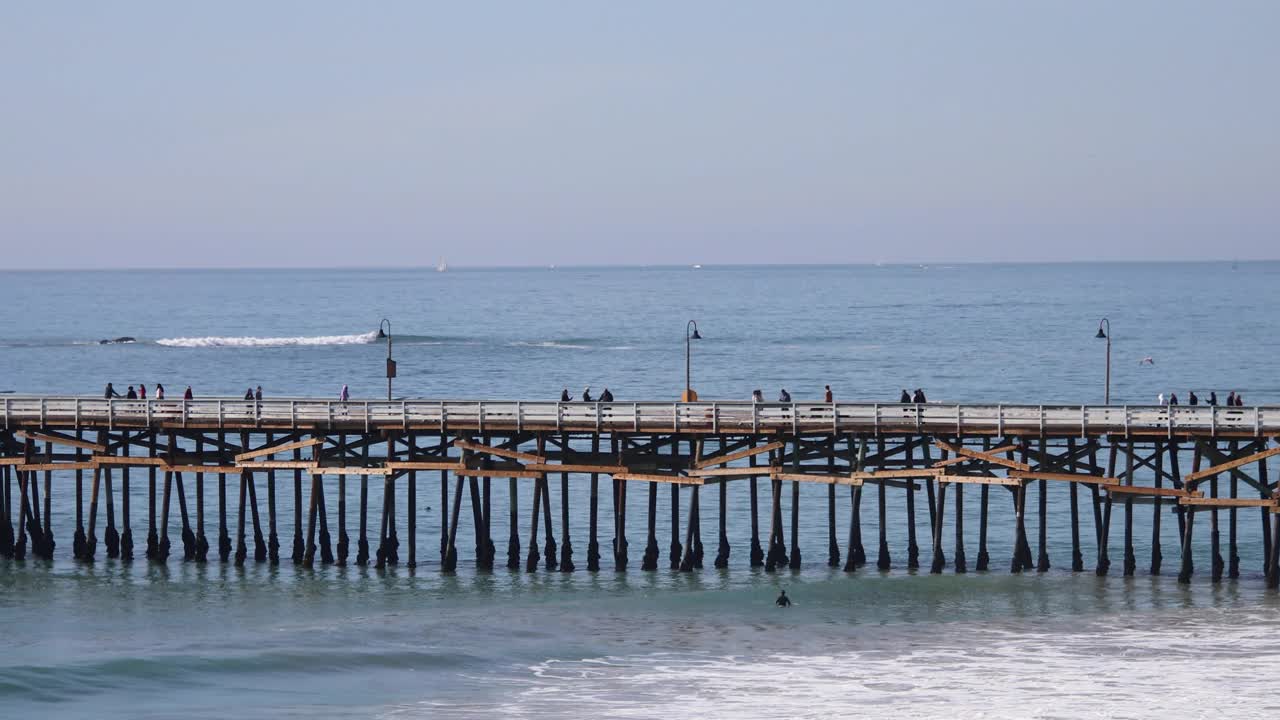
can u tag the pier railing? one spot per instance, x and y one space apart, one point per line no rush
705 417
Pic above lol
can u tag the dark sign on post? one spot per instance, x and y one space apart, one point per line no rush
391 368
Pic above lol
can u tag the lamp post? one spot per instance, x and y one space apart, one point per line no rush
690 334
1106 335
391 364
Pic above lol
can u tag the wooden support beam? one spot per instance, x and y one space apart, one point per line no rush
60 440
12 461
646 477
127 460
212 469
425 465
53 467
489 473
979 480
816 478
730 457
1065 477
757 471
285 447
499 452
1231 465
570 468
963 459
979 455
1229 502
348 470
906 473
276 465
1152 491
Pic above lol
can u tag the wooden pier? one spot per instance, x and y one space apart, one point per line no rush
1186 461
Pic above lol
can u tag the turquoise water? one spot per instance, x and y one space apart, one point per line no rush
134 640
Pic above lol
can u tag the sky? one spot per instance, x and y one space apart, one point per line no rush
312 134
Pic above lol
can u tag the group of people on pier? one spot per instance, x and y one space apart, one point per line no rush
141 392
1234 399
605 396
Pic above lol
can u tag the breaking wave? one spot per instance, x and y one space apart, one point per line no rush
248 341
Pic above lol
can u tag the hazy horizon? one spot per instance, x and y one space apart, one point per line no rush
317 135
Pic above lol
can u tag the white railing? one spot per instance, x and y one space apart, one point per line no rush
731 416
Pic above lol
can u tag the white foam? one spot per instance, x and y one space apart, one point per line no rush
1134 666
248 341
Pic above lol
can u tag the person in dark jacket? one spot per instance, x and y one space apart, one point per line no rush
1239 400
784 396
131 394
1213 398
257 394
586 394
1191 398
757 395
564 395
159 391
606 396
918 398
187 394
248 394
1231 399
905 399
827 396
110 392
1173 398
142 391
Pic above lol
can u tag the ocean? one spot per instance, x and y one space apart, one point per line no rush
134 640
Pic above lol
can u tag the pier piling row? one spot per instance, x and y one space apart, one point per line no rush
1181 461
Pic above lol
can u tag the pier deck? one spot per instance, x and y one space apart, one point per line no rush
1116 454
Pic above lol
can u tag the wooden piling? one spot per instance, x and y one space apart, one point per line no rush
566 543
1077 558
939 561
164 545
593 541
961 563
1184 574
242 550
411 503
125 538
1019 529
202 541
620 554
1130 560
224 536
513 521
757 552
77 541
1216 564
913 546
1157 506
531 560
549 550
650 559
722 546
299 547
833 547
1102 518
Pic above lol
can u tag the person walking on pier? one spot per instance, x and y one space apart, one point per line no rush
586 394
131 394
784 396
345 395
1231 399
110 392
1213 398
606 396
827 397
564 396
783 601
919 398
159 391
1160 399
905 399
257 394
1191 398
1173 398
187 394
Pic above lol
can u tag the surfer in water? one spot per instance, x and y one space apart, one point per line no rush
783 601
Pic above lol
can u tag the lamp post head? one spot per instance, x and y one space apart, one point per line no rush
1101 335
695 335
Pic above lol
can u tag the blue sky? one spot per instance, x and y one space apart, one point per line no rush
320 134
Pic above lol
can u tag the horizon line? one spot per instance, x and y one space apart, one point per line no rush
636 266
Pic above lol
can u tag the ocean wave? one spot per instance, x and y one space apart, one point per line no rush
249 341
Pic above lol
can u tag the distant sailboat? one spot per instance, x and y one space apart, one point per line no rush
442 266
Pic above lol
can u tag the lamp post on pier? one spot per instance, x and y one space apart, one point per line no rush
384 329
690 334
1106 335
